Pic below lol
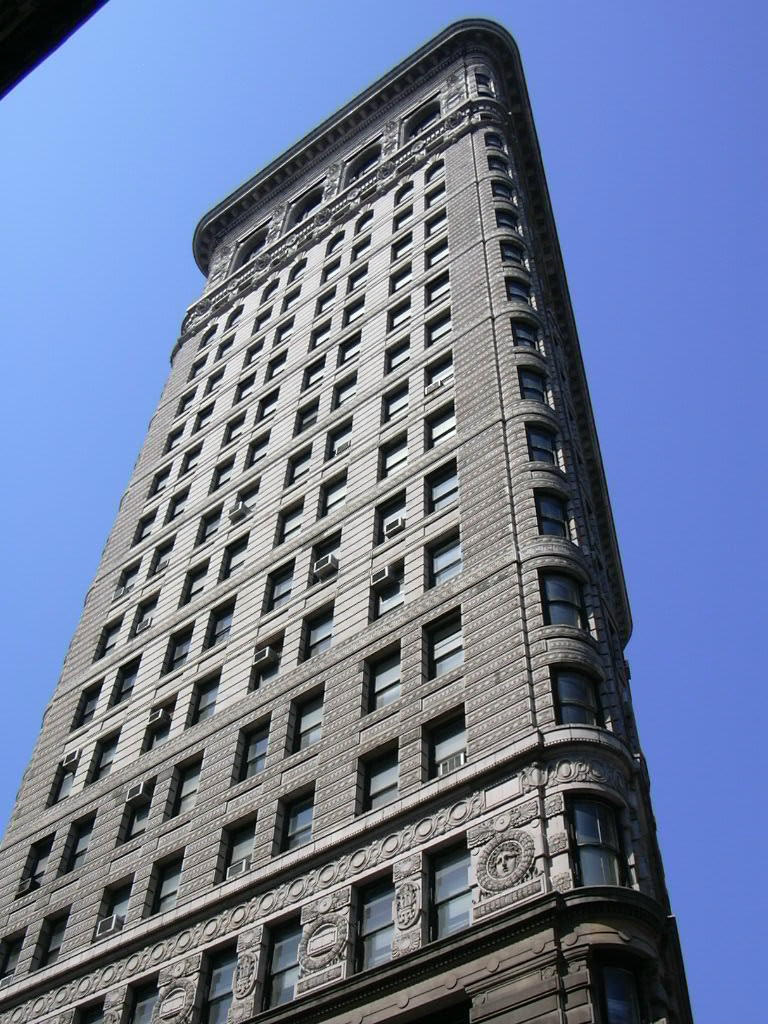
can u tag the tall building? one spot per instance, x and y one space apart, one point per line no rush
345 731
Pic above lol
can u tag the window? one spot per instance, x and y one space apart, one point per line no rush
393 456
437 329
354 311
335 243
297 827
62 785
222 474
401 246
257 450
276 366
269 290
329 270
233 317
318 633
86 706
320 335
219 625
376 925
76 849
436 254
595 834
552 514
314 373
143 617
524 335
233 430
450 892
435 223
307 416
290 299
576 700
421 120
436 289
387 516
185 402
108 639
437 170
388 594
239 844
445 645
332 495
251 353
440 427
178 649
447 743
234 557
223 348
502 190
403 192
329 546
37 862
533 385
104 757
444 560
204 700
298 465
395 404
254 753
349 349
283 969
380 780
160 481
159 730
267 405
308 728
397 355
357 279
279 585
127 580
125 682
166 885
439 372
383 680
187 782
338 440
213 381
258 322
434 196
512 253
10 951
209 525
269 666
619 996
507 220
306 205
203 418
562 600
115 902
542 444
364 221
191 459
401 279
176 505
218 992
51 939
493 141
325 301
360 248
498 163
197 368
289 522
194 583
143 1002
343 391
484 84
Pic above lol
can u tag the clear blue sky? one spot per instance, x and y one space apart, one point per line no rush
652 124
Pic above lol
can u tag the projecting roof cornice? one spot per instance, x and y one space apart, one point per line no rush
461 36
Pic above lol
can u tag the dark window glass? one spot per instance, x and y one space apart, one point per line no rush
125 682
298 822
576 700
257 450
318 633
337 439
343 391
115 902
219 625
234 557
51 939
447 746
108 639
384 680
77 845
187 784
104 757
309 722
349 349
542 444
137 818
437 329
508 220
395 404
596 837
442 488
620 996
552 515
388 517
393 456
239 843
397 355
37 863
441 426
389 595
143 1002
444 560
298 465
10 951
289 522
451 892
533 385
218 995
204 700
161 557
178 649
524 335
279 586
563 600
209 524
376 924
283 969
333 494
254 752
166 888
380 780
194 583
86 707
306 417
445 650
518 290
62 786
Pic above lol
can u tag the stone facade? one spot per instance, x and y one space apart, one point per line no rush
428 191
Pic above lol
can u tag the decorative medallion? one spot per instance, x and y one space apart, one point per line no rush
407 904
322 943
245 975
504 861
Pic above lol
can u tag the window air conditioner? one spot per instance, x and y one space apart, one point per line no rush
394 526
239 867
109 926
238 512
70 760
120 592
342 446
434 387
265 656
326 566
162 564
143 624
380 577
158 716
450 764
139 793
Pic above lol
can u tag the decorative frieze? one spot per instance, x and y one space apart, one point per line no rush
325 948
410 883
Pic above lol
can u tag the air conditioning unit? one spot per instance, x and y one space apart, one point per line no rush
238 512
434 387
7 981
265 656
143 624
28 885
163 563
109 926
344 446
121 592
70 759
159 716
239 867
450 764
381 577
394 526
139 793
326 566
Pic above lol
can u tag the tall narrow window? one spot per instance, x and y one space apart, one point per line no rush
388 593
309 722
51 939
283 964
143 1001
166 885
447 746
595 833
524 335
451 895
279 586
194 583
137 816
298 465
376 925
442 488
178 649
218 993
10 951
86 706
204 700
562 600
115 903
395 404
383 680
234 557
318 633
37 864
125 682
289 522
144 527
533 385
380 780
108 639
186 785
297 822
576 700
333 495
440 427
620 996
104 757
444 560
542 444
254 753
76 849
239 846
445 645
552 514
220 625
393 456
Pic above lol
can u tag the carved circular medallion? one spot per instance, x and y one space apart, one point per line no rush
322 943
245 975
177 1004
406 904
504 861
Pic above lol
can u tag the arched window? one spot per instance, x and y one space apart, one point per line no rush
364 221
297 270
270 289
421 120
437 170
207 336
233 317
306 205
363 163
494 141
334 243
403 193
251 247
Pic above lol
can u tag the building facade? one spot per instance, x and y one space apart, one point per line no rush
345 731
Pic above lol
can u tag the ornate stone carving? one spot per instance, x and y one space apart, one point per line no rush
322 943
331 186
557 842
276 224
562 881
219 263
177 1004
554 805
504 861
405 867
567 769
407 905
389 136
